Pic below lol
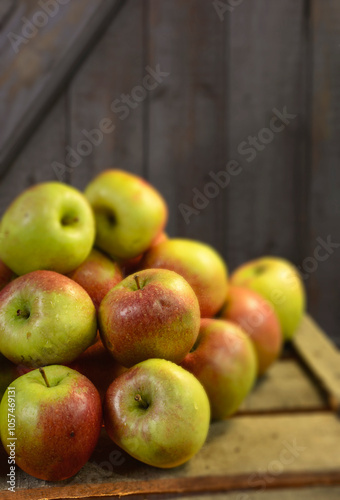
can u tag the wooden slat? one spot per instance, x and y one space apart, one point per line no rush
278 451
321 356
31 78
187 115
323 493
115 67
324 214
285 387
266 66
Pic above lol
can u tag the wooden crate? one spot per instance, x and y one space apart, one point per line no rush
284 443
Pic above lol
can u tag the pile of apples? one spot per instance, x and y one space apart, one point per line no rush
179 343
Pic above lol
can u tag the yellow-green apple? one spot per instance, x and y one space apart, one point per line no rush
45 318
97 275
224 361
129 213
6 275
279 282
154 314
130 266
158 413
97 364
57 417
258 319
199 264
49 226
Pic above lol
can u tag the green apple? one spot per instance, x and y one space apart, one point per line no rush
199 264
129 213
158 413
154 314
45 318
57 415
97 275
49 226
224 361
258 319
279 282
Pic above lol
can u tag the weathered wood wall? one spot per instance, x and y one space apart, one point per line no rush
232 66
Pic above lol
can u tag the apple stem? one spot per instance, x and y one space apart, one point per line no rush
137 281
68 221
43 374
139 398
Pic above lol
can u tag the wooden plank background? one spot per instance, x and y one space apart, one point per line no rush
227 69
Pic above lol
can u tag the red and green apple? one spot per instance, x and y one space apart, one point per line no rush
154 314
224 360
45 318
58 416
257 318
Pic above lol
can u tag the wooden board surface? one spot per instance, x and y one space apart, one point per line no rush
112 69
321 356
39 51
316 493
275 451
324 206
286 387
266 72
187 113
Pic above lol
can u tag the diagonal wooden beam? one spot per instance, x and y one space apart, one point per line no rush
40 51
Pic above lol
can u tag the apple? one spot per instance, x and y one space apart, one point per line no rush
199 264
130 266
258 319
45 318
97 364
158 413
224 361
57 414
129 213
6 275
278 281
49 226
97 275
154 314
